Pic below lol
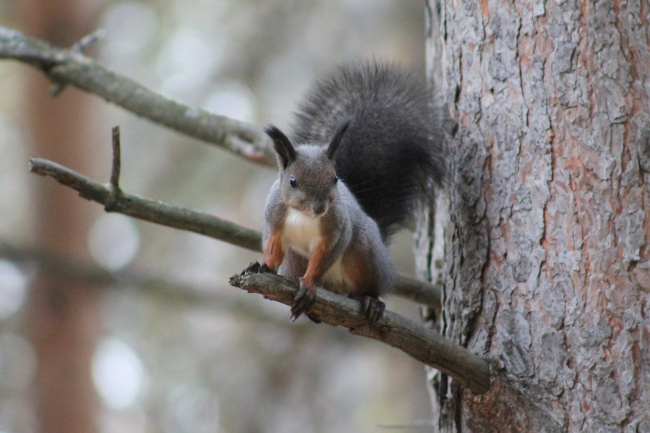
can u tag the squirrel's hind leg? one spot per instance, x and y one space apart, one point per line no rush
372 307
293 265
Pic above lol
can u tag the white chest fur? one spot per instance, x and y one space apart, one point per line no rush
301 233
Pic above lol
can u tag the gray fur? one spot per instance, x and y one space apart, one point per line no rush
392 155
348 229
385 143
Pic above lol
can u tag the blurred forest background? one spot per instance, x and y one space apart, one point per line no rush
168 345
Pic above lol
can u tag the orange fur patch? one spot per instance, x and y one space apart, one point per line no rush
359 271
315 269
273 253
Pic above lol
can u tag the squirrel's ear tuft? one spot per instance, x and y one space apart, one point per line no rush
336 140
282 145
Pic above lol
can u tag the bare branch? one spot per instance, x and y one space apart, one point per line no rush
72 67
418 291
147 209
415 339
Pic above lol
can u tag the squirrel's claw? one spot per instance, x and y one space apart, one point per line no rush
303 301
373 309
252 268
264 268
256 268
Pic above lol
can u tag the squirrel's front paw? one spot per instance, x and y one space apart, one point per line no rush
304 299
264 268
252 268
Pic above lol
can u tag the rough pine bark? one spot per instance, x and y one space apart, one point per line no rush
547 262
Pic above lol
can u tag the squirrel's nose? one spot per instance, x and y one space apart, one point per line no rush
319 207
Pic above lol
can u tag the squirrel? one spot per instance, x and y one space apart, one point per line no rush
368 148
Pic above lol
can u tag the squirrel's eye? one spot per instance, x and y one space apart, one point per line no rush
292 182
336 179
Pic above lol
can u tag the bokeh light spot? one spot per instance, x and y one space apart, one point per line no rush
13 287
114 241
118 373
17 362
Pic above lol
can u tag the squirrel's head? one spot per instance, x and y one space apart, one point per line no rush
308 179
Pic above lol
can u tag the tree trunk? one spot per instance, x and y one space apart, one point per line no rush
62 316
547 263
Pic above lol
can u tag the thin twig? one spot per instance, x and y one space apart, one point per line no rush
418 341
116 167
84 43
410 426
80 47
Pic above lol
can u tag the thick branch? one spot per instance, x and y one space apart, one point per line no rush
420 342
194 221
72 67
416 340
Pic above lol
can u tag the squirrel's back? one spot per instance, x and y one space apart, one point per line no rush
392 154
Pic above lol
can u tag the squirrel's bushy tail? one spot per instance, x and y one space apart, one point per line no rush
392 155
